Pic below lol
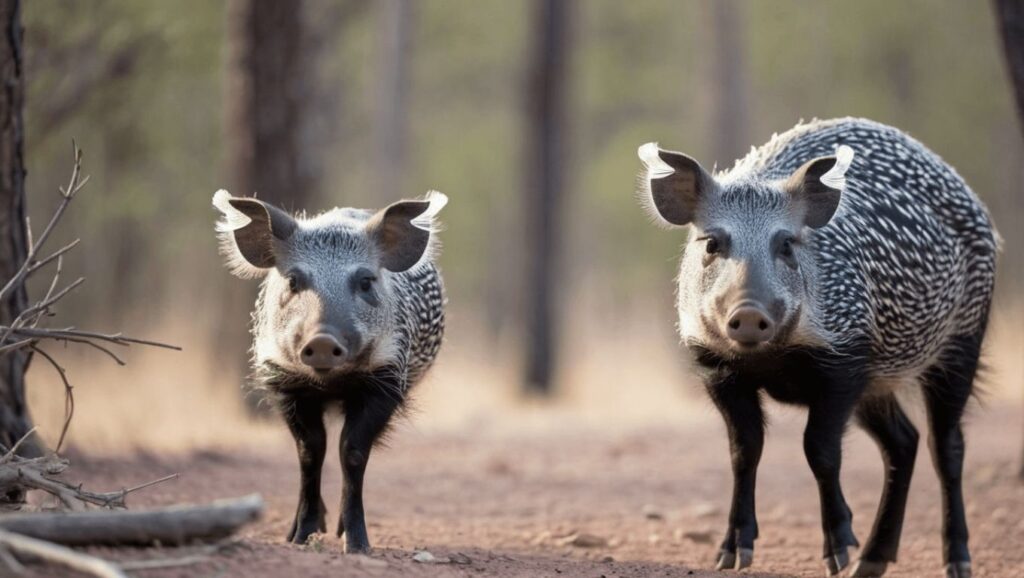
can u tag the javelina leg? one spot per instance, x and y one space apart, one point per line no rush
306 422
823 440
885 422
740 405
947 390
365 419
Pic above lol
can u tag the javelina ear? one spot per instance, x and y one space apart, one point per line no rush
818 185
671 184
248 232
404 231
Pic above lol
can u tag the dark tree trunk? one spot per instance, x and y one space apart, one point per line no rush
14 415
267 91
545 186
267 84
394 37
1010 18
731 119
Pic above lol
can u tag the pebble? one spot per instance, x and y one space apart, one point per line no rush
424 557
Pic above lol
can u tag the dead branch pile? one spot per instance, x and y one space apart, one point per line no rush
84 517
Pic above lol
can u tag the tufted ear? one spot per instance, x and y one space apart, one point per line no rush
248 231
672 185
818 185
404 231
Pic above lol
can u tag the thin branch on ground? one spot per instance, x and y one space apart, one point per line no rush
61 555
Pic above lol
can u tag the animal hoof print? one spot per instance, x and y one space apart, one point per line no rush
958 570
726 560
868 569
835 562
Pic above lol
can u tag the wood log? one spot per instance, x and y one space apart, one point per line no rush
174 525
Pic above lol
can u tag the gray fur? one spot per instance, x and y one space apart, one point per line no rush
398 325
906 262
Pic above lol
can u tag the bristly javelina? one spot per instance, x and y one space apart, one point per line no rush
835 265
350 315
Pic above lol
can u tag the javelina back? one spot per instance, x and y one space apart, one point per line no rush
350 315
831 267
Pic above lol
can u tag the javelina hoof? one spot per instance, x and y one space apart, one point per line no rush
868 569
357 548
958 570
738 560
835 562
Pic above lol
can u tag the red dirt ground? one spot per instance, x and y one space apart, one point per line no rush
502 504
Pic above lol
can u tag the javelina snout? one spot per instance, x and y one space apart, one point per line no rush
324 352
749 324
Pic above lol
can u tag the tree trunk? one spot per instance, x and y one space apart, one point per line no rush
394 36
265 110
15 421
1010 18
729 81
545 185
265 91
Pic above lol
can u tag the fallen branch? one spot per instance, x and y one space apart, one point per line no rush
21 474
56 554
175 525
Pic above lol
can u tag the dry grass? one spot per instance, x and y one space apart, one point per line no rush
180 401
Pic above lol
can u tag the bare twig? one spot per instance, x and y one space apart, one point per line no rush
11 562
156 563
69 396
62 555
74 185
11 452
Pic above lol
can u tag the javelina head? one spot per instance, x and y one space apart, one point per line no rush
745 282
327 303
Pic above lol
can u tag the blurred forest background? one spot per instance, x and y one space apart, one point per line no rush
527 114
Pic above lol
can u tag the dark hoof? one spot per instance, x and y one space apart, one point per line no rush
726 560
868 569
958 570
838 560
738 560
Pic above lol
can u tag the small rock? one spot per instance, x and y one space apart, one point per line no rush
424 557
654 538
698 537
607 559
652 513
584 540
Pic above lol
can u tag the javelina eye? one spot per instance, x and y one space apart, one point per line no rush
712 246
293 283
366 284
786 249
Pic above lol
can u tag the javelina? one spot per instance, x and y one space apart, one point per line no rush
833 280
350 315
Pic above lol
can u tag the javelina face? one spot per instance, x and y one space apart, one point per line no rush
327 304
744 274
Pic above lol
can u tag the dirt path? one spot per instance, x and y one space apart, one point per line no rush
503 503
